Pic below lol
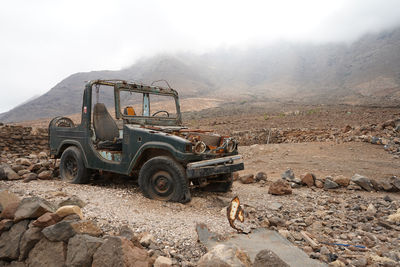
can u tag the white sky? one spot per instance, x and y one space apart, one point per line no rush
43 42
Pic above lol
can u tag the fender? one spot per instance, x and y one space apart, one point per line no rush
73 143
158 145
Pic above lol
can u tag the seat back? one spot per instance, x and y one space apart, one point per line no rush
104 125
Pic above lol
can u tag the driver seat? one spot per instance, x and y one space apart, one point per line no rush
106 128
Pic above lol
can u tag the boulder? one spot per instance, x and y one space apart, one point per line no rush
9 241
247 179
308 179
118 251
224 255
261 176
45 175
376 185
341 180
3 175
42 155
9 211
23 172
10 173
329 184
68 210
32 208
267 258
29 177
81 249
280 187
162 261
61 231
28 241
86 227
7 197
127 232
46 220
46 253
363 182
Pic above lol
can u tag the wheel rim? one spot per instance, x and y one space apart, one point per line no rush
162 185
71 168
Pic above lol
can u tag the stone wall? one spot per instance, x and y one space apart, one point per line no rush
22 140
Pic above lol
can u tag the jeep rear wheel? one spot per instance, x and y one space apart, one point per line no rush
72 167
162 178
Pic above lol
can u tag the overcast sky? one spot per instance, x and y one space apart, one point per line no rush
42 42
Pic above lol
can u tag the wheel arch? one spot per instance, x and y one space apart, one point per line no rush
147 154
66 144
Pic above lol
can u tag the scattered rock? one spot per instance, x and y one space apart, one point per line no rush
61 231
28 241
280 187
46 220
32 208
146 240
162 261
341 180
395 182
46 253
118 251
275 206
29 177
23 161
86 227
68 210
388 198
319 183
261 176
247 179
224 255
362 181
9 241
45 175
288 175
10 173
329 184
395 218
371 210
42 155
267 258
308 179
387 186
81 249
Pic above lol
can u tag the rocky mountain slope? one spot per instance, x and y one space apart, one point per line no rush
364 72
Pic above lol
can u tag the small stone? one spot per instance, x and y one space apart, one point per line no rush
329 184
275 206
276 221
395 217
261 176
28 241
224 255
324 250
23 161
162 261
146 240
73 200
337 263
387 186
247 179
388 198
395 181
362 181
42 155
46 220
294 185
280 187
45 175
268 258
29 177
360 262
10 173
308 179
371 210
235 176
68 210
319 183
288 175
341 180
23 172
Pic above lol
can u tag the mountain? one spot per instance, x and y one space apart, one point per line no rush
366 71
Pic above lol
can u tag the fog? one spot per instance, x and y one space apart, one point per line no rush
43 42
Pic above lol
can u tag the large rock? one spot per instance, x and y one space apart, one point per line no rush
9 241
329 184
162 261
341 180
46 220
224 255
267 258
28 241
68 210
7 197
61 231
81 249
10 173
118 251
45 175
86 227
9 211
395 181
23 161
3 175
46 253
280 187
362 181
73 200
308 179
5 225
32 208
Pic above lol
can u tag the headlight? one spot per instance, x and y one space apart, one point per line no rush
200 147
230 145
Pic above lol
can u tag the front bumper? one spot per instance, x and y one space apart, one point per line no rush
216 166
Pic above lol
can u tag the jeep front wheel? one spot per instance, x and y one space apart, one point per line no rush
72 167
162 178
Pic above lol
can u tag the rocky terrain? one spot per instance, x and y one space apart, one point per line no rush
333 192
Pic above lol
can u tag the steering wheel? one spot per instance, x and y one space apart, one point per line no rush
160 111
